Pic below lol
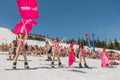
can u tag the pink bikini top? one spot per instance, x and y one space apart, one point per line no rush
82 50
56 45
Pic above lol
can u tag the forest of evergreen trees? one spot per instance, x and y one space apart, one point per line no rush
101 44
37 37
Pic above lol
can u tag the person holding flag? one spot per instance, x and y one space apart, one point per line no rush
21 49
28 11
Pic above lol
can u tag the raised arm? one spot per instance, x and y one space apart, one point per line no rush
26 37
62 40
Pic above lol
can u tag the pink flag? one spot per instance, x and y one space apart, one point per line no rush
105 59
71 59
71 55
88 37
88 40
24 26
28 9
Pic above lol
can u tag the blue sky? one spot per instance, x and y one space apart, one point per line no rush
69 18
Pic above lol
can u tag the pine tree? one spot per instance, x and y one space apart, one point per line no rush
103 44
111 46
116 44
97 43
79 41
84 42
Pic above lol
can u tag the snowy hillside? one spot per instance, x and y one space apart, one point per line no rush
6 36
40 69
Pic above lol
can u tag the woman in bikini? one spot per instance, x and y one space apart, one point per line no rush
21 49
56 52
82 55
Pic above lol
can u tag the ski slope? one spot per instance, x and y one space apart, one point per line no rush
41 70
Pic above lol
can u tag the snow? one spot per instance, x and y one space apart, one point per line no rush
42 71
6 36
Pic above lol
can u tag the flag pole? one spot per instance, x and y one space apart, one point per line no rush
93 41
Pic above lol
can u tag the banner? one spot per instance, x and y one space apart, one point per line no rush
28 9
71 54
24 26
93 42
105 59
88 40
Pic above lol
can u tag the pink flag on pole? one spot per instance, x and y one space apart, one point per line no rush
28 9
24 26
71 59
105 59
88 37
71 55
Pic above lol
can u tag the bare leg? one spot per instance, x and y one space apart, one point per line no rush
17 54
80 58
85 64
48 57
53 56
84 59
58 55
59 61
16 57
25 58
10 54
24 55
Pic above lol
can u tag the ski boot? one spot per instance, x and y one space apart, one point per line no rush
9 58
26 65
49 59
52 65
60 65
14 65
80 65
86 66
108 66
